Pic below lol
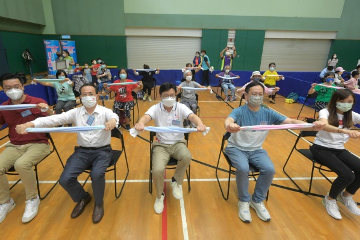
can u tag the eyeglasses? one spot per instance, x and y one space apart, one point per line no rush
9 88
167 96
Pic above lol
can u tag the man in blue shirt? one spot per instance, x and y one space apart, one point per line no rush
245 147
206 67
325 70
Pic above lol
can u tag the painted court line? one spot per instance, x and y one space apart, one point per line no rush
183 219
194 180
164 216
4 144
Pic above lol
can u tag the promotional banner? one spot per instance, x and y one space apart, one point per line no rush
51 47
70 46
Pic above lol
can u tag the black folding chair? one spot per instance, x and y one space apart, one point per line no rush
171 164
309 96
12 170
178 97
253 171
306 153
116 154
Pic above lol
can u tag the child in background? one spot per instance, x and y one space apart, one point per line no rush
325 92
352 83
94 70
197 60
77 68
87 73
338 78
270 77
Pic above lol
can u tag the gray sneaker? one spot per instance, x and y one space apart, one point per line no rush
244 211
260 210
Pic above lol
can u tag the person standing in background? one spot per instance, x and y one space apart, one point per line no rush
333 61
87 73
206 67
94 71
69 60
197 60
228 58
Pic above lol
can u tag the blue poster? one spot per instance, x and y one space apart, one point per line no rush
51 47
70 46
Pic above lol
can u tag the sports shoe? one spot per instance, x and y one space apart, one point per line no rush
101 97
331 207
244 211
176 190
31 209
260 210
159 204
149 98
349 203
127 127
145 96
230 99
5 208
107 97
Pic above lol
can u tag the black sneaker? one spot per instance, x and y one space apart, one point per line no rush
127 127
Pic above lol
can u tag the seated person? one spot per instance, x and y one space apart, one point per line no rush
22 152
94 149
188 97
147 81
104 76
66 98
245 147
193 71
338 78
323 93
270 77
169 144
328 150
256 77
352 83
124 99
227 84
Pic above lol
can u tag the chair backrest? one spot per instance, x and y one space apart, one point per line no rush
153 135
223 141
116 133
313 95
134 94
178 96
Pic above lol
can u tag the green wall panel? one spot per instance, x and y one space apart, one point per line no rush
350 21
15 43
347 52
30 11
90 17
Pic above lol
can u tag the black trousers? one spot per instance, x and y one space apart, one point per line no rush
344 164
206 80
147 85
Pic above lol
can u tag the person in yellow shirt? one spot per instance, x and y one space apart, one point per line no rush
270 77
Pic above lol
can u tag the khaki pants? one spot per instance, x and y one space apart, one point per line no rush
161 156
23 158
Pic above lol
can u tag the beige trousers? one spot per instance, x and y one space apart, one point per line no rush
161 156
23 158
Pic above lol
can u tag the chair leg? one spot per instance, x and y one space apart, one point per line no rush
15 184
324 175
228 184
287 160
311 178
86 180
38 185
188 179
117 195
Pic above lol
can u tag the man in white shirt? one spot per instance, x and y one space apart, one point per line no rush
169 113
93 151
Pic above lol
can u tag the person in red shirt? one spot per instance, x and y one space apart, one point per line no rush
124 100
23 151
94 70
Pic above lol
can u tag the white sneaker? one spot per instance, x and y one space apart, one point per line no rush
244 211
5 208
176 190
31 209
331 207
149 99
261 210
159 204
349 203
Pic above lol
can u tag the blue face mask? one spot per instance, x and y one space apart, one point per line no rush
329 80
99 61
103 66
61 77
272 68
123 76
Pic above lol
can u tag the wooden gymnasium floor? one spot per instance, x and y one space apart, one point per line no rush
203 213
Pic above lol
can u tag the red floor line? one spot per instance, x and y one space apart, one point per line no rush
164 214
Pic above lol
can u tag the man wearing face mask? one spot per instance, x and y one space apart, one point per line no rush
104 76
245 147
22 152
227 84
188 97
94 149
169 113
228 58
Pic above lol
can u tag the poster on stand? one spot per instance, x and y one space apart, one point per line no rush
51 47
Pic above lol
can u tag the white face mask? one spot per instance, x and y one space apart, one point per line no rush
14 94
188 78
89 101
227 53
227 71
168 102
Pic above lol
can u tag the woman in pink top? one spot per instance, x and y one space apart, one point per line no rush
352 83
